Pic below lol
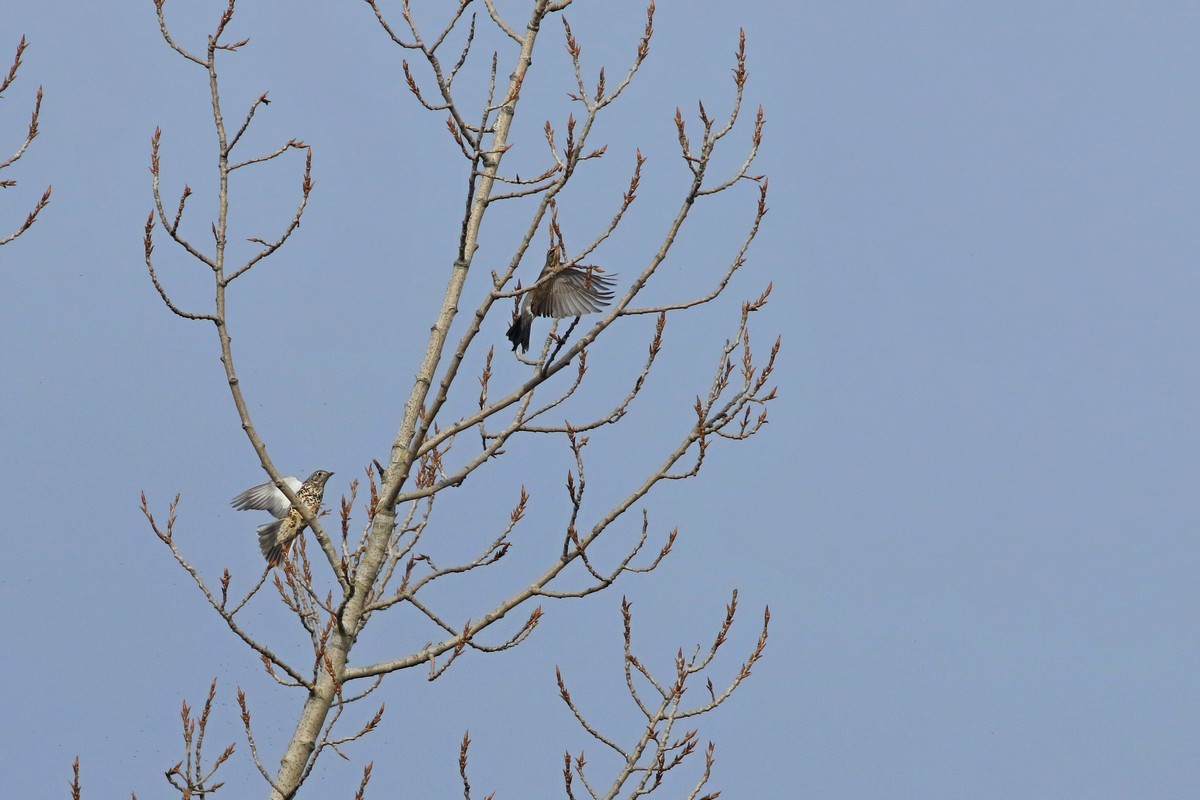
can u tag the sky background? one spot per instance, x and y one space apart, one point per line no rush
973 514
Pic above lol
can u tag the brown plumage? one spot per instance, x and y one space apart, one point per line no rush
570 292
274 538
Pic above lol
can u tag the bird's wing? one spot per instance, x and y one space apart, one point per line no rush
574 292
265 497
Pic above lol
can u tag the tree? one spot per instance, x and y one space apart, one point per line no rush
452 429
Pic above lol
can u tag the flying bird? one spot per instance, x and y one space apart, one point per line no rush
564 291
275 537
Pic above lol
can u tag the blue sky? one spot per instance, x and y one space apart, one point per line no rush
973 514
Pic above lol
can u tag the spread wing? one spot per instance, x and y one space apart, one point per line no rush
573 293
265 497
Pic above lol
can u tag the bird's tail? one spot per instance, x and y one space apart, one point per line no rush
518 333
268 536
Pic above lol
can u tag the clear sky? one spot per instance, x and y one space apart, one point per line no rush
974 514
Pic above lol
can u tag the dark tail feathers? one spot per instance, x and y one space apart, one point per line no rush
518 333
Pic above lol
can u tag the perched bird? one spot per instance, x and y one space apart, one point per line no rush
274 537
569 292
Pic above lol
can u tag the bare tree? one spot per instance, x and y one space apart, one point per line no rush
355 576
6 82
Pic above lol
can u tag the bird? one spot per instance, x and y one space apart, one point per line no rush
275 537
567 291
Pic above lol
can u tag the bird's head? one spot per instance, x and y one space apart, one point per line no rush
319 477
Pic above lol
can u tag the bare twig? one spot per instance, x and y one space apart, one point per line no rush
189 777
659 750
30 135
